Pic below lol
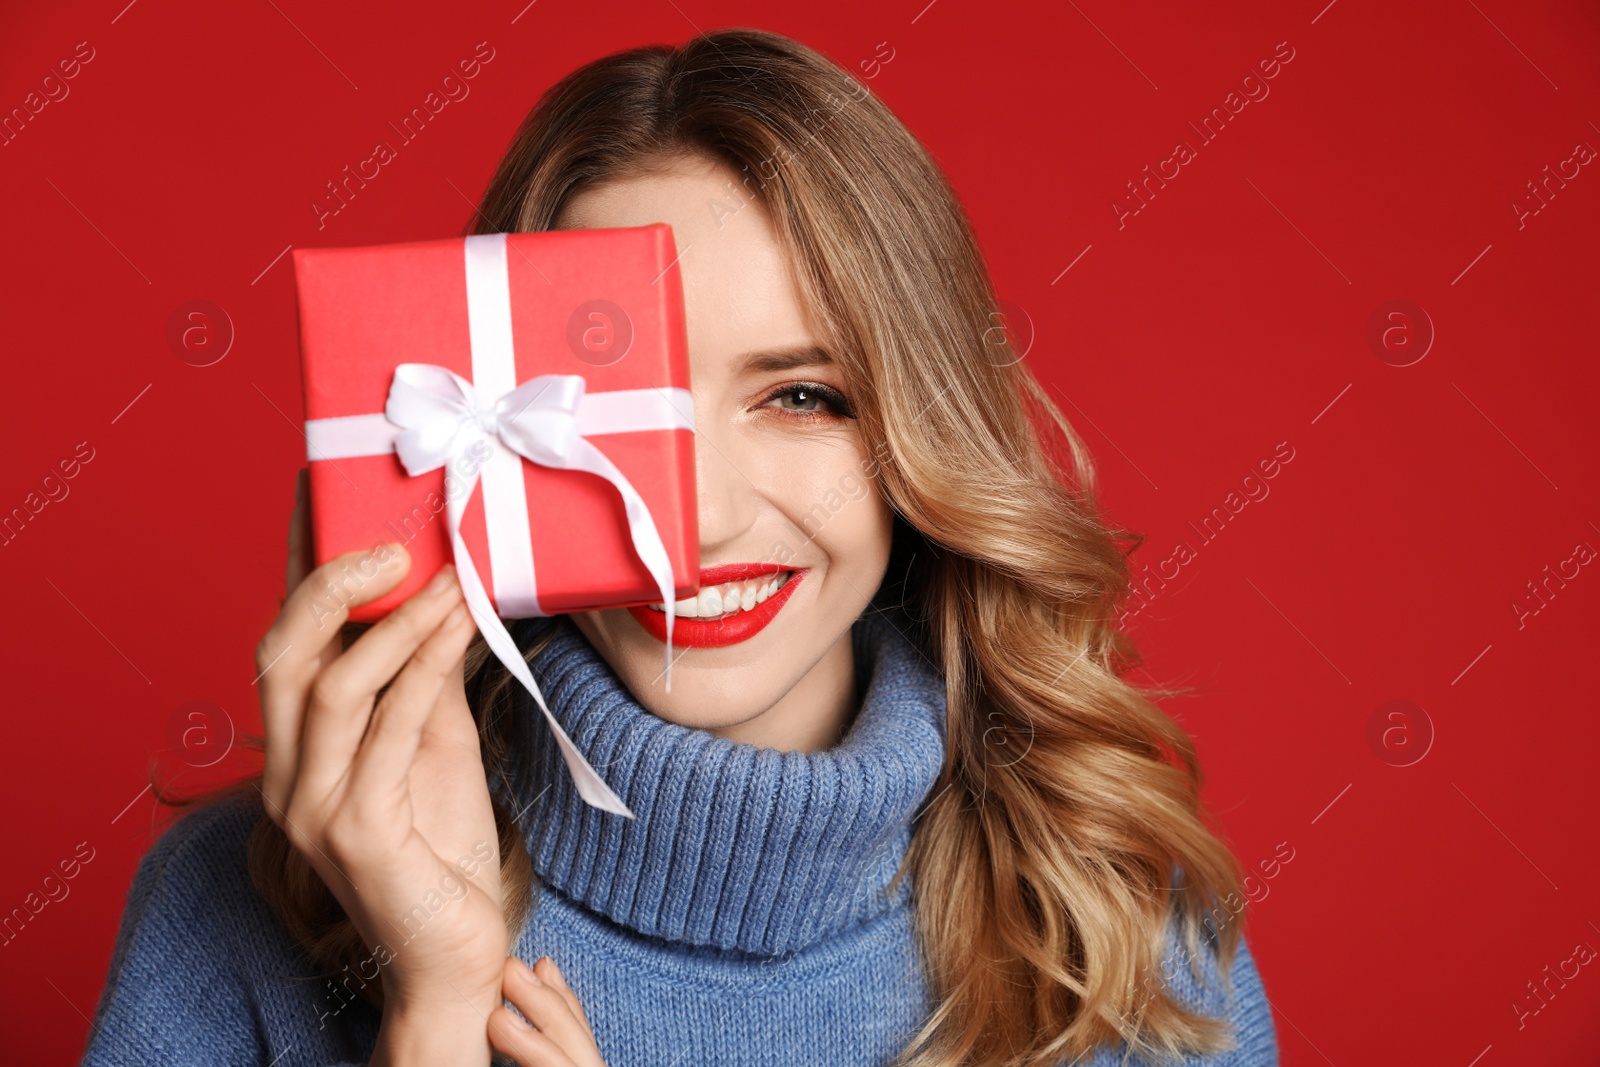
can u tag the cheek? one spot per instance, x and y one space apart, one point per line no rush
871 529
847 518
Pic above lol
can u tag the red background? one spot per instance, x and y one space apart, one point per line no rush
1230 314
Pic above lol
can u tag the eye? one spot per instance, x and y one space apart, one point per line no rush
809 400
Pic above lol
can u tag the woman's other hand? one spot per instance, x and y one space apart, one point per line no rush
386 796
560 1034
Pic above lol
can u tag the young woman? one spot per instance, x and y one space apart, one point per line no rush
899 806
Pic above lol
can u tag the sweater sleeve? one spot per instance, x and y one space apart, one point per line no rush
195 948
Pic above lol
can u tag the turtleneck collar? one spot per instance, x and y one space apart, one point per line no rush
734 845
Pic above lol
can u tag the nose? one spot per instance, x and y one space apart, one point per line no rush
727 500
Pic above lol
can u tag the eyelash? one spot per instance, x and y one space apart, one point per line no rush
826 393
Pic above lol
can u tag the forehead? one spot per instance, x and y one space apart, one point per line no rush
739 287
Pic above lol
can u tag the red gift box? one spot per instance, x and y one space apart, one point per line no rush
515 403
605 305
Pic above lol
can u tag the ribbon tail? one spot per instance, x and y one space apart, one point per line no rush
591 787
641 527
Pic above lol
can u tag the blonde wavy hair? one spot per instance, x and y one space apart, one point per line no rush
1066 829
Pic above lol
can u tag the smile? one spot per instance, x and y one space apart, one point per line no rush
726 613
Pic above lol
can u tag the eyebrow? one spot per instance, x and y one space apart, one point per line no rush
780 359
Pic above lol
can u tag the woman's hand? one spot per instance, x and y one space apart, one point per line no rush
387 796
560 1035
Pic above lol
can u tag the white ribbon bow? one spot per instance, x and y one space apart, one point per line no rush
433 417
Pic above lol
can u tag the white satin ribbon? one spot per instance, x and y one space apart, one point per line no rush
434 417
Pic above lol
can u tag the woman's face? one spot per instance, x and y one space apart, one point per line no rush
786 487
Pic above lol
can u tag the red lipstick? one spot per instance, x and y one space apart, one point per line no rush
716 633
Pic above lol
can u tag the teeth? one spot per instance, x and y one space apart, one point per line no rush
729 597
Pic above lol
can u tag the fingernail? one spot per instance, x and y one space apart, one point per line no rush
531 975
441 581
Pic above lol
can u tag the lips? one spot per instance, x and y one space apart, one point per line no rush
731 629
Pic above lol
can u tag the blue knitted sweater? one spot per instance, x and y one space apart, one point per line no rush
741 919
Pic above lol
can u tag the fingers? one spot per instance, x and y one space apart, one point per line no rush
554 1012
384 760
320 604
523 1043
342 695
545 968
296 647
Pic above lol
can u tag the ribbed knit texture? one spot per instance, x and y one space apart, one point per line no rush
741 919
733 846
